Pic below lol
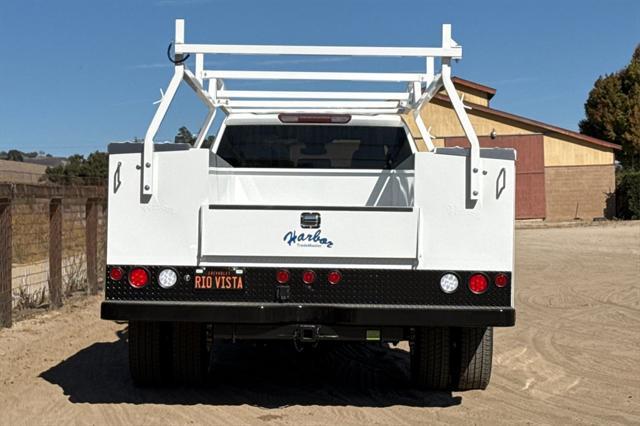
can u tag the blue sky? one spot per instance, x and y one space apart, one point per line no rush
76 75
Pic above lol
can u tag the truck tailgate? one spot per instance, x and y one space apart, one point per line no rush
238 231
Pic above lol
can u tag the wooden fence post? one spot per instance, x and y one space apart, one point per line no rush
91 234
5 262
55 252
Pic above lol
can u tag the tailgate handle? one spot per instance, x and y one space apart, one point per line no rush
310 220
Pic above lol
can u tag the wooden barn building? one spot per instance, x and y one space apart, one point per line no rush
561 174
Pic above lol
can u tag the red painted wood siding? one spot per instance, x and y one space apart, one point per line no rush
530 192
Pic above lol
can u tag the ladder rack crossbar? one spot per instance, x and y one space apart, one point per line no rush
235 49
312 75
265 94
310 104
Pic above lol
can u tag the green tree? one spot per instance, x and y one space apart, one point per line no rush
80 171
613 111
15 155
208 142
184 136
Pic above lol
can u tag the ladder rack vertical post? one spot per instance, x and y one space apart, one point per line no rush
200 67
179 31
431 69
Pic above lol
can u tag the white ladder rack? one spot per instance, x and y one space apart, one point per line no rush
420 88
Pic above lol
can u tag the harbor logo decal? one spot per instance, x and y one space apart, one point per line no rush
307 240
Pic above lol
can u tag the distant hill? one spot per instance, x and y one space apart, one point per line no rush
49 161
40 158
21 172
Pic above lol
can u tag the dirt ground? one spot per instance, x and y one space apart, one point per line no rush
574 357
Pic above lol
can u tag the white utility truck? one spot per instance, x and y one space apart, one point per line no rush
314 216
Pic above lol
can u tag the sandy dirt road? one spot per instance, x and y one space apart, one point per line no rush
574 357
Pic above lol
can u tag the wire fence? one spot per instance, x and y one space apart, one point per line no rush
52 244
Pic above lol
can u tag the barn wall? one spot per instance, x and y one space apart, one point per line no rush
578 178
472 96
579 192
444 122
566 152
530 181
558 151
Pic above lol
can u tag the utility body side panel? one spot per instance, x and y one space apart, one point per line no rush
454 232
161 229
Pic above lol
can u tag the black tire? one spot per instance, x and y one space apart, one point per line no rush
430 358
149 352
190 354
472 358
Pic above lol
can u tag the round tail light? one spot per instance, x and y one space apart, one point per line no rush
501 280
138 277
283 276
116 273
449 283
308 277
334 277
478 283
167 278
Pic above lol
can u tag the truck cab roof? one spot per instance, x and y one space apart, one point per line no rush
382 120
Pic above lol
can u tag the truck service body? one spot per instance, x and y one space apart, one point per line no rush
310 220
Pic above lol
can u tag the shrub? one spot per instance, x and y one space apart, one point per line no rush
80 171
628 194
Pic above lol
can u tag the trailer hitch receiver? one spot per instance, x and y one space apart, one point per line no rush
306 333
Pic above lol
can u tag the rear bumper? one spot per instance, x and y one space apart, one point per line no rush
285 313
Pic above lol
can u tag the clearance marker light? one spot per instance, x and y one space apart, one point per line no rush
334 277
308 277
283 276
501 280
116 273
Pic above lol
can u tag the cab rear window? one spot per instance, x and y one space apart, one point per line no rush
314 146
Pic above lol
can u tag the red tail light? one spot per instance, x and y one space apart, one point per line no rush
334 277
283 276
138 277
478 283
116 273
501 280
308 277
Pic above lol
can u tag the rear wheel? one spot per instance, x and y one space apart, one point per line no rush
190 354
472 358
430 358
149 352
